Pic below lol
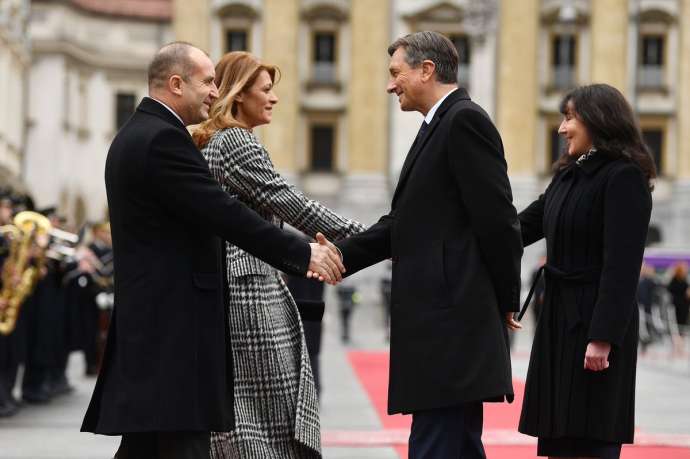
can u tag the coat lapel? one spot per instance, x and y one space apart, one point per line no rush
153 107
418 146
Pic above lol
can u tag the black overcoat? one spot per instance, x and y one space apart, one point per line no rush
454 239
167 364
594 216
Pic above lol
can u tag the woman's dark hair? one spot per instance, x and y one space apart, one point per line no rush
611 125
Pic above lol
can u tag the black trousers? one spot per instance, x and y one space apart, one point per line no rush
165 445
450 433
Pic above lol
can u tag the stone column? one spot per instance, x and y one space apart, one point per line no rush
280 28
368 100
610 43
517 99
683 171
192 22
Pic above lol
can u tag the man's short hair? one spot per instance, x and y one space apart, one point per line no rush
172 59
431 46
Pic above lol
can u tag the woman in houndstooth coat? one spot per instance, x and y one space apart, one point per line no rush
275 400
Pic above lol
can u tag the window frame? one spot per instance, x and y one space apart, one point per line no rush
552 68
322 122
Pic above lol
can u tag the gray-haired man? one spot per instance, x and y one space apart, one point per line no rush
454 238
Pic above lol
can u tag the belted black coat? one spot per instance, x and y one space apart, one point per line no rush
454 238
167 363
594 217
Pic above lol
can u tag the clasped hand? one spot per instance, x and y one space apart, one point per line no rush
597 355
325 263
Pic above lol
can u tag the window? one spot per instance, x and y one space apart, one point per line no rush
563 61
236 40
462 45
654 138
124 107
324 57
557 145
322 148
651 61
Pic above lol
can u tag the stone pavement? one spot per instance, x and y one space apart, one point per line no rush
349 421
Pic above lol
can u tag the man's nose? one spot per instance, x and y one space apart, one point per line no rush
561 128
390 89
214 91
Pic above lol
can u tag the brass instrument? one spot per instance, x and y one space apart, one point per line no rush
62 245
29 237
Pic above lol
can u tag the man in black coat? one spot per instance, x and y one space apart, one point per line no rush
454 239
166 379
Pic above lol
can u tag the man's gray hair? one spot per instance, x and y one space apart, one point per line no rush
431 46
172 59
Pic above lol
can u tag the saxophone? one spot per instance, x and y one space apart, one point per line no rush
28 240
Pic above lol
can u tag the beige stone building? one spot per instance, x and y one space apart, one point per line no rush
336 133
329 130
342 139
638 46
14 65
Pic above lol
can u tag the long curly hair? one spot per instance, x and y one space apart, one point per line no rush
611 124
235 72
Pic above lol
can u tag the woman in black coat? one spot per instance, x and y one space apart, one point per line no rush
580 390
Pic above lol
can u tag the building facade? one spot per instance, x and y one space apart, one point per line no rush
342 139
14 66
638 46
329 133
88 73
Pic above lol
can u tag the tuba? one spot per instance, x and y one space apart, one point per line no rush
28 239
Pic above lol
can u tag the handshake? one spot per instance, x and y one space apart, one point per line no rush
325 263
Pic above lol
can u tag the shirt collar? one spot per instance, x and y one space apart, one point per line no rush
169 109
430 115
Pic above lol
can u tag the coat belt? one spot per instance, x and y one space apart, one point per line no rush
589 275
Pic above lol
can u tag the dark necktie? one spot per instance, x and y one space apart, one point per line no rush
422 131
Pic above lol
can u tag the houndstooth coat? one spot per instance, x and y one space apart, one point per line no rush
276 405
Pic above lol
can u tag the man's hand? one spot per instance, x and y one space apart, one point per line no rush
511 323
325 263
597 355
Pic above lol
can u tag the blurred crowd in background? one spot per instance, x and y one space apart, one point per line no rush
55 298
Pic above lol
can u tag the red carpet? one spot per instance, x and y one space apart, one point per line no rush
501 439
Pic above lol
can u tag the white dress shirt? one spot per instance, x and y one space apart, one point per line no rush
430 116
169 109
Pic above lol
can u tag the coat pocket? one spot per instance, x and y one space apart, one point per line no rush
466 278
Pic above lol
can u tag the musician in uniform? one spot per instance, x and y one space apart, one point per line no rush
8 407
45 313
89 287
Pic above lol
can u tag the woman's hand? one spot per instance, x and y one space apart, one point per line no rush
597 355
511 323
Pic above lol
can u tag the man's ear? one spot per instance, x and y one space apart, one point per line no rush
175 84
428 70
